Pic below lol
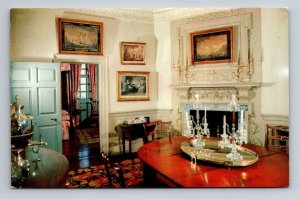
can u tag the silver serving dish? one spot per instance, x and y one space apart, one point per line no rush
214 154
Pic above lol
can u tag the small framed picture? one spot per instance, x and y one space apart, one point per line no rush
80 37
212 46
133 86
133 53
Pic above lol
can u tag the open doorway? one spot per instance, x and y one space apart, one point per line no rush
80 113
102 81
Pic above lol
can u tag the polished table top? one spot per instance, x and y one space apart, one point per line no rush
166 158
51 170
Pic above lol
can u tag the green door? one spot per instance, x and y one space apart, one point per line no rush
38 85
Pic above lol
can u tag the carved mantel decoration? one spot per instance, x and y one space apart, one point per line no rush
216 92
245 69
240 70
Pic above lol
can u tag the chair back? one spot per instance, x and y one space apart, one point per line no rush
277 137
114 172
164 127
93 111
94 107
150 129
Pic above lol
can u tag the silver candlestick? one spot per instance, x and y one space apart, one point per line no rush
197 128
235 137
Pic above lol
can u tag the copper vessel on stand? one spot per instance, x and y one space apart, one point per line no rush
21 125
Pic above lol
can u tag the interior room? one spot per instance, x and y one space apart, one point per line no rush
170 97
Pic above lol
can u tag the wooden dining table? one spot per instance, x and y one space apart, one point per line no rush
164 161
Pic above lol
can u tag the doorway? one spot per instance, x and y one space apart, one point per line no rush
102 63
80 112
102 79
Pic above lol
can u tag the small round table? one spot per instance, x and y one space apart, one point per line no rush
50 172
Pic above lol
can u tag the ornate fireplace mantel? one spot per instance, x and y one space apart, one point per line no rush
216 95
216 92
223 85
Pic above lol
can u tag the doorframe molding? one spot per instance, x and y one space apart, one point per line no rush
102 62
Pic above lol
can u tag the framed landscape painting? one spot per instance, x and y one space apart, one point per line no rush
133 86
133 53
80 37
212 46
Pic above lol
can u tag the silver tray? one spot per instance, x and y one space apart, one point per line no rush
214 154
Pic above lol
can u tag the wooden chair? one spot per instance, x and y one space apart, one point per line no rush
93 112
124 174
114 172
277 137
150 129
164 128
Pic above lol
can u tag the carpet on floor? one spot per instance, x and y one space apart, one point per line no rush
96 176
88 135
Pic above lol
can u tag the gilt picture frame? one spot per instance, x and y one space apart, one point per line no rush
133 86
212 46
80 37
133 53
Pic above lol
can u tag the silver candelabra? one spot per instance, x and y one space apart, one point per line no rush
197 128
235 137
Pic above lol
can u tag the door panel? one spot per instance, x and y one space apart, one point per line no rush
38 85
46 75
48 133
21 75
47 101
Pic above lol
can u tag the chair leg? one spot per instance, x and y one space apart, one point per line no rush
120 147
123 145
145 139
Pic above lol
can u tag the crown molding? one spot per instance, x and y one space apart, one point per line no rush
181 13
144 15
154 15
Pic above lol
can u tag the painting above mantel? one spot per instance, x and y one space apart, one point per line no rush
212 46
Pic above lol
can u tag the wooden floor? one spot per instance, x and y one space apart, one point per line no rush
81 155
85 155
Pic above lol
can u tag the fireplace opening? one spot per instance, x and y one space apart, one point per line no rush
215 120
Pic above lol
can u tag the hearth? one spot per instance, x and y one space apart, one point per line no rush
215 120
214 114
